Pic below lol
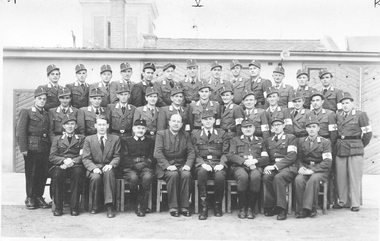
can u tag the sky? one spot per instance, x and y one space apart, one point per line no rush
48 23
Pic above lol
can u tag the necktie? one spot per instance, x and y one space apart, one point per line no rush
193 82
311 143
345 115
224 109
107 85
295 113
150 84
171 84
123 109
152 110
209 135
83 88
324 91
277 86
249 139
97 111
139 139
64 111
276 138
102 143
69 138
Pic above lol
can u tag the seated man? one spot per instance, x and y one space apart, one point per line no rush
281 170
175 156
210 146
248 156
314 162
138 163
66 156
101 155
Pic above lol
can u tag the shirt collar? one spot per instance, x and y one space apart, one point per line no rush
137 138
105 136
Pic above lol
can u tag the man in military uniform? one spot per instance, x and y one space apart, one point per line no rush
331 94
204 103
257 115
138 165
258 85
126 73
286 92
101 155
237 81
355 134
248 156
165 86
281 171
56 114
211 145
216 83
175 156
52 87
298 115
86 117
32 136
79 89
66 158
314 161
303 89
191 83
174 108
104 84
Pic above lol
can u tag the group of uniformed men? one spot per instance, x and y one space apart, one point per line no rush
245 129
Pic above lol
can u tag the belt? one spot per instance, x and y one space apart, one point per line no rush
211 157
230 130
121 132
42 135
138 159
349 137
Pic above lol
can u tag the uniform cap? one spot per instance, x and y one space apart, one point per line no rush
207 113
247 122
39 91
248 92
96 92
176 90
105 68
121 88
277 119
311 120
215 64
139 122
226 89
191 63
64 92
79 67
204 85
125 66
67 118
315 93
50 68
149 66
347 95
301 72
279 69
167 66
255 63
297 96
322 72
234 63
150 91
272 90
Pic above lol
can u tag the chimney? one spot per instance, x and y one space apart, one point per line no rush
117 31
150 41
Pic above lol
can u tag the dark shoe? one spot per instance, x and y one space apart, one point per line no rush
250 214
42 204
355 209
269 212
313 212
218 210
57 213
94 211
140 211
186 213
110 212
337 206
242 213
282 215
303 214
203 215
30 203
174 214
74 213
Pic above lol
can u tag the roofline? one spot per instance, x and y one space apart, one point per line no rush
229 39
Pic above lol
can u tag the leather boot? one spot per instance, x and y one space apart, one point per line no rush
252 200
218 203
203 214
142 202
242 204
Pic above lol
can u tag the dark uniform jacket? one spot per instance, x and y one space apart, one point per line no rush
167 111
306 92
113 90
299 121
238 87
286 93
143 112
106 98
318 157
62 149
120 123
327 124
218 88
196 109
332 99
86 120
164 91
173 149
281 113
231 117
32 130
52 95
138 94
56 116
210 151
138 154
283 153
260 88
354 133
190 91
79 97
260 121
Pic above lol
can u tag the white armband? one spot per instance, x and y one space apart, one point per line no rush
288 121
265 127
217 122
326 155
187 127
333 127
238 121
264 153
80 151
290 104
339 106
366 129
292 148
265 94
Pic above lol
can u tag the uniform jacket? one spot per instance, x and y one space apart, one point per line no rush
119 121
79 98
32 130
196 109
86 120
280 113
62 149
138 154
356 124
286 93
218 88
306 93
92 154
143 112
332 99
327 124
283 153
318 157
299 121
180 152
167 111
260 89
260 121
138 94
106 98
52 95
190 91
164 91
238 86
231 117
210 151
113 90
55 116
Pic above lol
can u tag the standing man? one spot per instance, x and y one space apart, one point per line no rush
248 156
303 89
258 85
355 134
298 115
52 87
165 87
138 165
216 83
331 94
32 134
237 81
66 156
211 145
126 73
56 114
101 155
281 171
286 92
104 84
175 156
79 89
314 161
191 83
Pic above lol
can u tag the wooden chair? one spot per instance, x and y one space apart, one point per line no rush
289 196
122 187
324 192
160 190
196 196
230 191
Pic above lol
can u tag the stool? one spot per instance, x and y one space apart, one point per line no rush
325 205
160 184
233 183
196 195
120 195
289 196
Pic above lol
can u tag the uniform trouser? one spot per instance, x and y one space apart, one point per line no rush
144 176
219 178
307 187
58 176
102 184
246 178
349 172
178 186
36 173
275 184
